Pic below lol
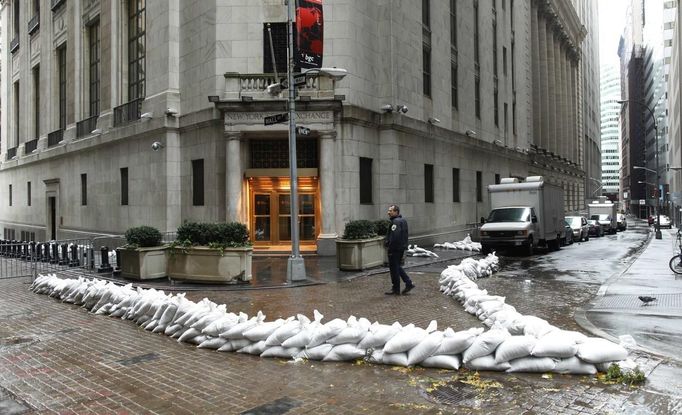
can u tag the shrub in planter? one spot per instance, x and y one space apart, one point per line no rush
360 247
211 252
144 256
143 237
381 226
359 229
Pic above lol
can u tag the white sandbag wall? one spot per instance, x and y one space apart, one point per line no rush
211 326
516 342
465 244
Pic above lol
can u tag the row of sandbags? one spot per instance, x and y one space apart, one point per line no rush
414 250
526 343
465 244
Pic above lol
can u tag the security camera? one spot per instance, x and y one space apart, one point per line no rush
156 146
470 133
274 89
171 112
387 108
402 108
433 120
147 116
336 74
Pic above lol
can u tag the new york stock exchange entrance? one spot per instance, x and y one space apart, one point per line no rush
269 195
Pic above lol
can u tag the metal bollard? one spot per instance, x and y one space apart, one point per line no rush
117 268
90 260
13 253
74 262
24 250
64 257
32 250
104 260
54 255
46 252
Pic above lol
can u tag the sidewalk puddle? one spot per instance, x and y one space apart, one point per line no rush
278 406
139 359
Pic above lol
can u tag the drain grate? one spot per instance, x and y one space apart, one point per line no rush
139 359
278 406
453 393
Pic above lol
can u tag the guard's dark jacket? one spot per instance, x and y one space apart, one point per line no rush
396 238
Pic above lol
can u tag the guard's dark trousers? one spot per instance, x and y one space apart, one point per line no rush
397 272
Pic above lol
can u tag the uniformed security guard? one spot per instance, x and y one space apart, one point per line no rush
396 244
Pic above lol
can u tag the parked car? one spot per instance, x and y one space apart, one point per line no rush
579 228
567 238
605 223
622 222
665 222
594 228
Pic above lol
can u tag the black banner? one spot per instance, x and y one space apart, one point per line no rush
309 30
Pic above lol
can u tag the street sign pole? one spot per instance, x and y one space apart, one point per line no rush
295 265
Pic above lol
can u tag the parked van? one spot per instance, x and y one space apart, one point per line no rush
524 215
605 212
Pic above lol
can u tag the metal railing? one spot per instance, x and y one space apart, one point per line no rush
11 153
56 4
33 24
86 126
128 112
55 137
30 146
14 44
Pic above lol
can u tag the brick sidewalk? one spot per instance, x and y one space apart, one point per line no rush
58 358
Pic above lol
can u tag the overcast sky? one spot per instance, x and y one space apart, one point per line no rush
611 22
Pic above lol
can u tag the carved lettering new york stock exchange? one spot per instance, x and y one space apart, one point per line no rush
232 118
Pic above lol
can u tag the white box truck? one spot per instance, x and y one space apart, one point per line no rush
605 213
524 215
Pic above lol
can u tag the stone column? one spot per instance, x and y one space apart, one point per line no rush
173 181
233 177
562 108
575 138
551 89
537 111
544 99
326 241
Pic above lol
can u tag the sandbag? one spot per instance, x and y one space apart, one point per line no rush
395 359
597 350
279 351
486 362
531 364
283 332
255 348
378 335
514 347
315 353
457 342
485 344
442 361
574 366
263 331
327 331
424 348
343 352
555 345
405 339
212 343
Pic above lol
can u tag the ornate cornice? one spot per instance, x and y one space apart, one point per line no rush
565 24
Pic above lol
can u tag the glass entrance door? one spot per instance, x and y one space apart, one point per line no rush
270 214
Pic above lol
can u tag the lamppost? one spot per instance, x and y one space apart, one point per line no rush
658 175
295 264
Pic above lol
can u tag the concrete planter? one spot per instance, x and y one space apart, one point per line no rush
144 263
203 264
360 254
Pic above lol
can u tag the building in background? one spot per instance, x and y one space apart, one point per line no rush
590 117
441 99
610 132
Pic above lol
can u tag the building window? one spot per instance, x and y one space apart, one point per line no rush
504 60
496 108
279 47
17 20
198 182
10 195
365 181
454 91
497 178
506 108
28 193
426 55
84 189
94 65
479 186
476 35
428 183
495 47
455 185
426 47
16 113
514 116
61 69
513 75
137 47
124 186
453 23
36 101
477 96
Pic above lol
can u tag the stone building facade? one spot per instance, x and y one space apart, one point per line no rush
139 112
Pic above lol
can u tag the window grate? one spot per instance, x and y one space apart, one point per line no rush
274 154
